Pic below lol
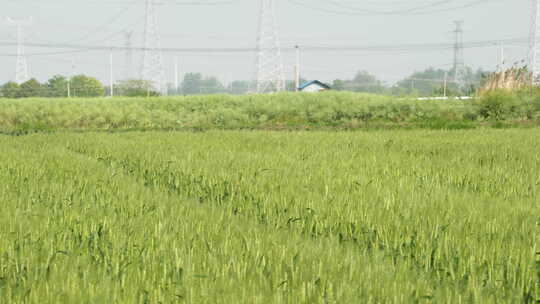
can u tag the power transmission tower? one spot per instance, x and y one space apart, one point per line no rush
534 42
129 55
459 57
152 69
21 69
270 77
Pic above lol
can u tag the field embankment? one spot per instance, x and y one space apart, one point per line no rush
330 110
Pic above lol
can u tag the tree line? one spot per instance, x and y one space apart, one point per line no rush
57 86
430 82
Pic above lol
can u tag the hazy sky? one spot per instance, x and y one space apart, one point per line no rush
233 23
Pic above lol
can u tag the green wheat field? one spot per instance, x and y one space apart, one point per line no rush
400 216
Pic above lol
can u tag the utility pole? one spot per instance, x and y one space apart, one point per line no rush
445 86
129 55
502 56
21 69
459 58
72 72
534 44
297 70
176 77
270 77
152 68
111 74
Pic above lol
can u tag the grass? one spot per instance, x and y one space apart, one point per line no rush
265 217
287 111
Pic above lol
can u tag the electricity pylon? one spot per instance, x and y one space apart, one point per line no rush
534 42
459 57
21 69
152 68
270 77
129 55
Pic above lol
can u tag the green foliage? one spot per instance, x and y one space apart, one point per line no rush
85 86
211 85
362 82
290 85
268 217
338 85
239 87
424 83
11 90
430 82
195 84
135 88
335 110
497 105
57 86
30 88
504 105
192 84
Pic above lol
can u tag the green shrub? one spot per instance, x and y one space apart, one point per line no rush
497 105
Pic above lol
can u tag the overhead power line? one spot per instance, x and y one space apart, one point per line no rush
337 8
382 48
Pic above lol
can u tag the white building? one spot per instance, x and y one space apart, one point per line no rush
313 87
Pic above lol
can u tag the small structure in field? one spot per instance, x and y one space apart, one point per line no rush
314 87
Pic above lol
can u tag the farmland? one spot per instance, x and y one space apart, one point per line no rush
391 216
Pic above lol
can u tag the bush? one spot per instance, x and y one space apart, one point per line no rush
11 90
30 88
497 105
136 88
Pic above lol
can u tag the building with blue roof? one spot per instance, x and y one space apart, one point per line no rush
314 86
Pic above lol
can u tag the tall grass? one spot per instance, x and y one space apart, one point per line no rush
262 217
276 112
511 79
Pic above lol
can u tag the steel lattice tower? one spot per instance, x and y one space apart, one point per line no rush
129 55
459 57
21 69
270 77
534 41
152 68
